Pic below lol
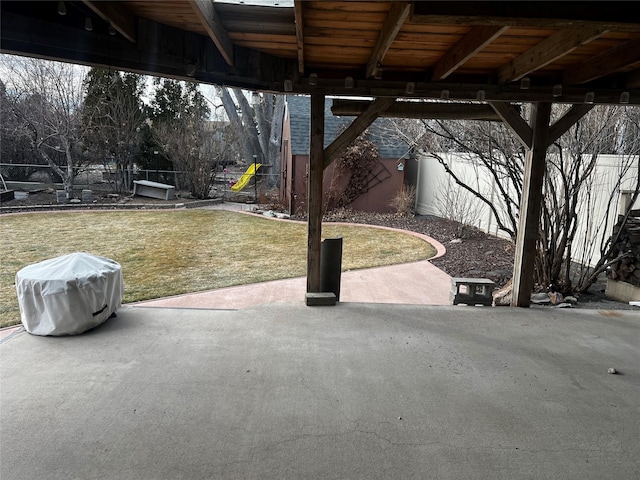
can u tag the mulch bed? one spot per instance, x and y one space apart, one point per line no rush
470 252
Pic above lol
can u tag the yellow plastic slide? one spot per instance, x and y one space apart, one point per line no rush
246 176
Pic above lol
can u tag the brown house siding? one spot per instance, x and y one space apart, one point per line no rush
377 199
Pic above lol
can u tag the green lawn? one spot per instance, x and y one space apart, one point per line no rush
165 253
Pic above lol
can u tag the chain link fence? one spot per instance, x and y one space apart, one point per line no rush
34 177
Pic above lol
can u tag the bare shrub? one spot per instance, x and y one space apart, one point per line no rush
455 204
404 201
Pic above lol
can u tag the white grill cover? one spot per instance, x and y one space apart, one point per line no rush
68 295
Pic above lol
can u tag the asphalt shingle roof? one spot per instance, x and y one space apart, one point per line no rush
380 133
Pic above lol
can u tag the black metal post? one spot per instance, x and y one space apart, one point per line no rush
331 265
255 179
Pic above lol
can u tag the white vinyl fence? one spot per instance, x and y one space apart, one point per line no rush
438 194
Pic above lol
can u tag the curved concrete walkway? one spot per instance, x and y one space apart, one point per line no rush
416 283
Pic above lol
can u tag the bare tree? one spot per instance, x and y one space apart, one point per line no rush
623 177
488 147
15 151
260 124
46 99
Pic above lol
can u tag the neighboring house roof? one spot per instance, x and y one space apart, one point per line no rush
380 132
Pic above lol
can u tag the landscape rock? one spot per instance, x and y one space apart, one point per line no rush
540 299
556 298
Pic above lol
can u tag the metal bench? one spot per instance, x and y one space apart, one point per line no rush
145 188
472 291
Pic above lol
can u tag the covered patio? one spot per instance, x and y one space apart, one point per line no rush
284 391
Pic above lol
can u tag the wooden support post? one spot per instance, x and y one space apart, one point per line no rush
529 220
314 193
536 140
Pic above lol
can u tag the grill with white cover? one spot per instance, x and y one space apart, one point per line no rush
68 295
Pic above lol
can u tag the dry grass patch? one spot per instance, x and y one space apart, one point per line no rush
165 253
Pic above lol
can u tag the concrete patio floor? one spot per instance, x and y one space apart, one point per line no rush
353 391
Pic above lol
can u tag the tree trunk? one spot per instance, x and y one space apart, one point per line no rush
247 147
61 173
275 142
250 125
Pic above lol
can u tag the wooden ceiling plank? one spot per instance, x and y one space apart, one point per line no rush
270 46
474 41
339 42
337 27
206 12
256 19
297 9
115 15
545 52
260 37
604 64
398 13
360 15
327 5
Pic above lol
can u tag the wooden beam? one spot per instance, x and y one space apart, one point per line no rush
207 15
297 9
314 193
354 130
550 49
154 52
115 15
612 61
632 80
570 118
398 13
552 15
440 110
511 117
529 220
473 42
